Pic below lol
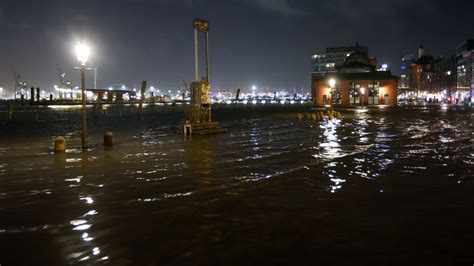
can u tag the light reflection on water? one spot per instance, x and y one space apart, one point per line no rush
99 202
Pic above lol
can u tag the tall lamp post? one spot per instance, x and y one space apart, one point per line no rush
332 85
82 52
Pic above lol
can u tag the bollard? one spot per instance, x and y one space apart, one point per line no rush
299 116
330 115
187 129
9 112
313 117
108 139
59 144
60 159
142 95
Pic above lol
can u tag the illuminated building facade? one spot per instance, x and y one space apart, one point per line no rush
421 74
432 79
465 78
407 61
356 82
444 80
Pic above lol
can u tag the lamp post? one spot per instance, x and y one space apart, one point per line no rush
332 84
82 52
1 93
362 93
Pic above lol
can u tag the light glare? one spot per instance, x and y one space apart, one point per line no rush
82 52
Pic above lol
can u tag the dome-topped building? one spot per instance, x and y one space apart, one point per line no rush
357 82
356 63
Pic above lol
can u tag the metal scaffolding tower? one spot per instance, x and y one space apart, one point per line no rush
199 118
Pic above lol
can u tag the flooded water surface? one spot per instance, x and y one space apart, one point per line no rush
377 187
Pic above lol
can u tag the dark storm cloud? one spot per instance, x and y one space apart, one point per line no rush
266 42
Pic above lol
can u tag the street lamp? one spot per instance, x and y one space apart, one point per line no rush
332 84
254 88
362 93
82 52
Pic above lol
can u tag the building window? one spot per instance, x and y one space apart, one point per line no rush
354 96
373 96
336 96
374 84
354 85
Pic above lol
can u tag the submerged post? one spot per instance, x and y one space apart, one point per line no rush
32 95
59 145
237 95
109 139
9 112
82 53
142 94
84 138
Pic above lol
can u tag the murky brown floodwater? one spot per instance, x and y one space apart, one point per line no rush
380 187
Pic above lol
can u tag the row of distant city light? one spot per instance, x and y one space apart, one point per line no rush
83 51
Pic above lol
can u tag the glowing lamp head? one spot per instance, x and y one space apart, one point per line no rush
362 90
254 87
82 52
332 83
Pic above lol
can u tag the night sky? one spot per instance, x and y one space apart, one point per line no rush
261 42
